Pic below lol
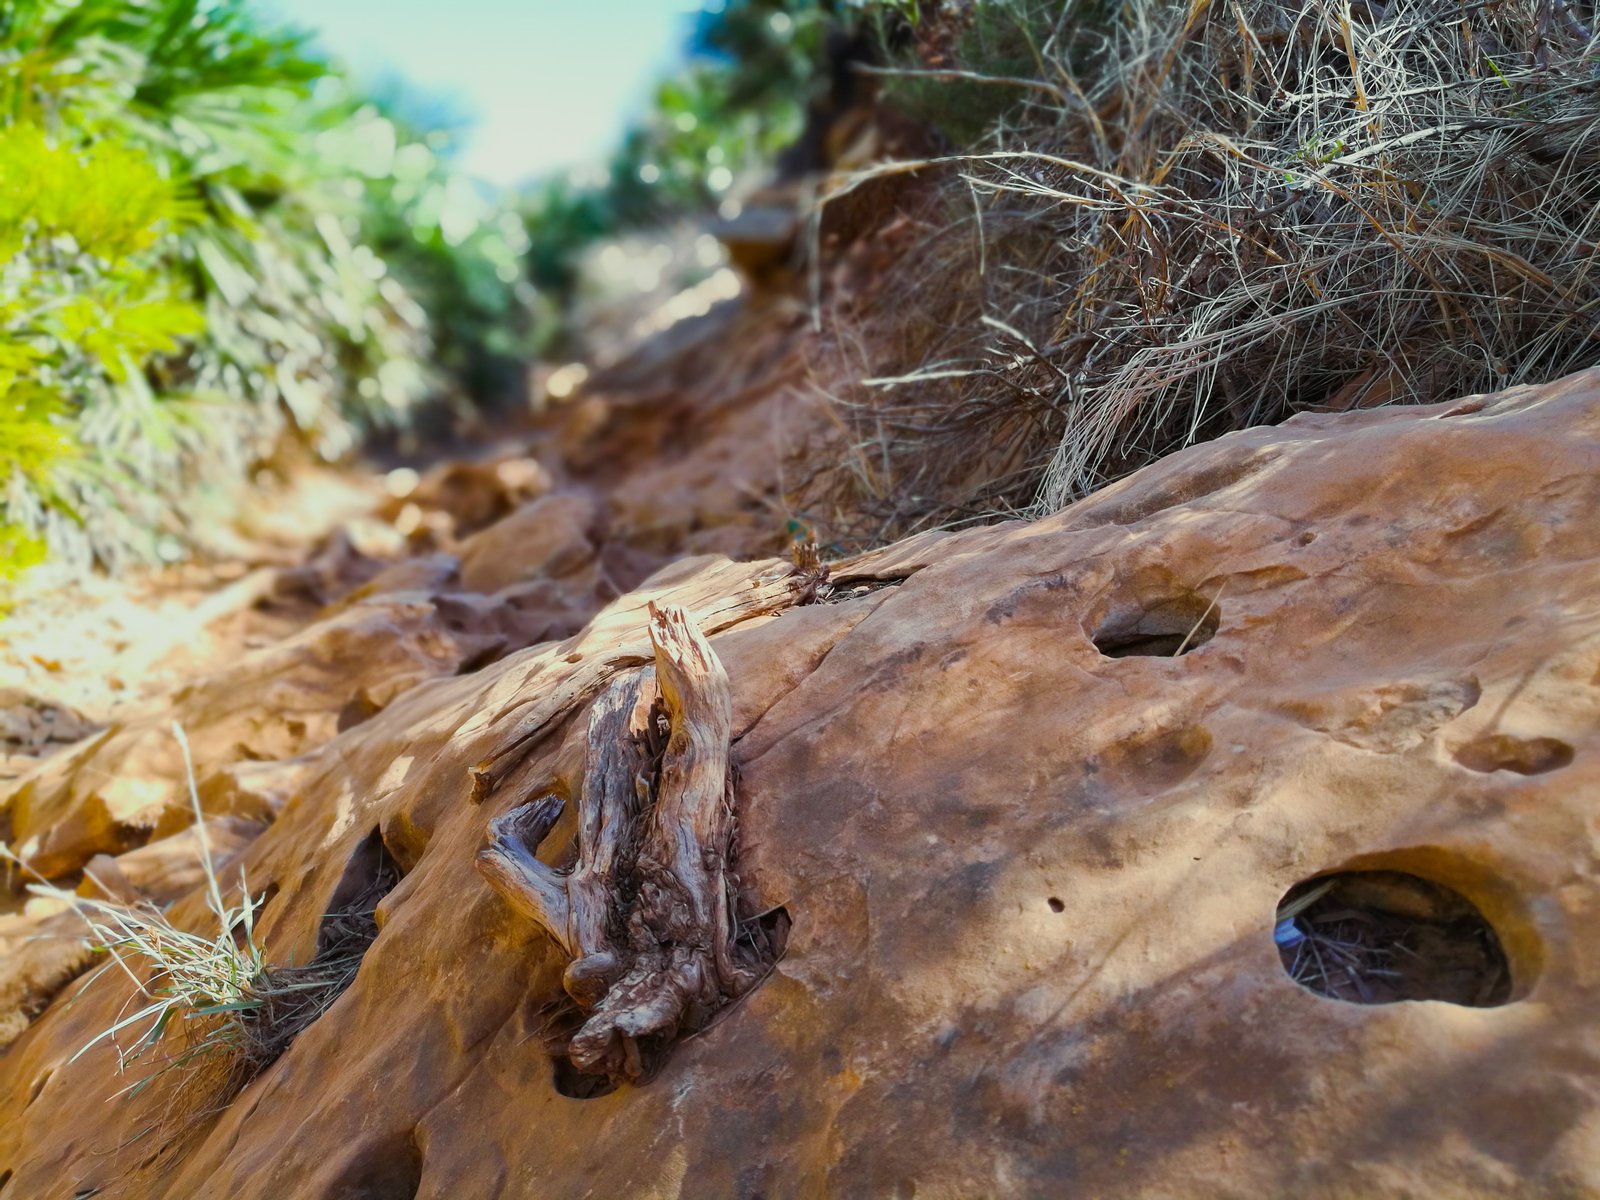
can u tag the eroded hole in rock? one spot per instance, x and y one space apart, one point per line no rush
389 1170
1056 904
1377 937
768 933
1525 756
854 589
284 1000
1165 629
580 1085
267 896
480 659
369 876
1153 758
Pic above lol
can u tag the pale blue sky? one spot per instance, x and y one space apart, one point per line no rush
549 83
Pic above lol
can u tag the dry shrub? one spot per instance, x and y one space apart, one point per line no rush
1200 218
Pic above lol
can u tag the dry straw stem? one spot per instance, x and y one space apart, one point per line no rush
1228 212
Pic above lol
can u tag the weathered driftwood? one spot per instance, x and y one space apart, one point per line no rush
647 911
773 592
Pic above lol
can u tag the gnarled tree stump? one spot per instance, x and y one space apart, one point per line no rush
647 912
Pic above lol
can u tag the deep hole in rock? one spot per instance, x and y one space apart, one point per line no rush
771 927
291 997
853 589
1056 904
1170 627
1377 937
580 1085
267 896
389 1170
488 655
555 1024
5 1178
360 708
369 876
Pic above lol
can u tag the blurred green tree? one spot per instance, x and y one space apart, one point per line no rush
277 282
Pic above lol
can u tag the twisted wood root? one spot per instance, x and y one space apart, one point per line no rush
647 911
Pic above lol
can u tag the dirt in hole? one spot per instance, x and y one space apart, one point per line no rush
1377 937
580 1085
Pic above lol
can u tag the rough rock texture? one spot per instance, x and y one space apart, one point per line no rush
1032 886
120 787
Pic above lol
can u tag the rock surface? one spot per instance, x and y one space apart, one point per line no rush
1032 885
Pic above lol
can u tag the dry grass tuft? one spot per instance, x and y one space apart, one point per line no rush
1200 217
208 1008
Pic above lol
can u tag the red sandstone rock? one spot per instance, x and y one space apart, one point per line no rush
116 789
551 537
1032 885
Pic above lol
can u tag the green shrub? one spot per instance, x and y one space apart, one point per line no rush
219 245
84 302
992 40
